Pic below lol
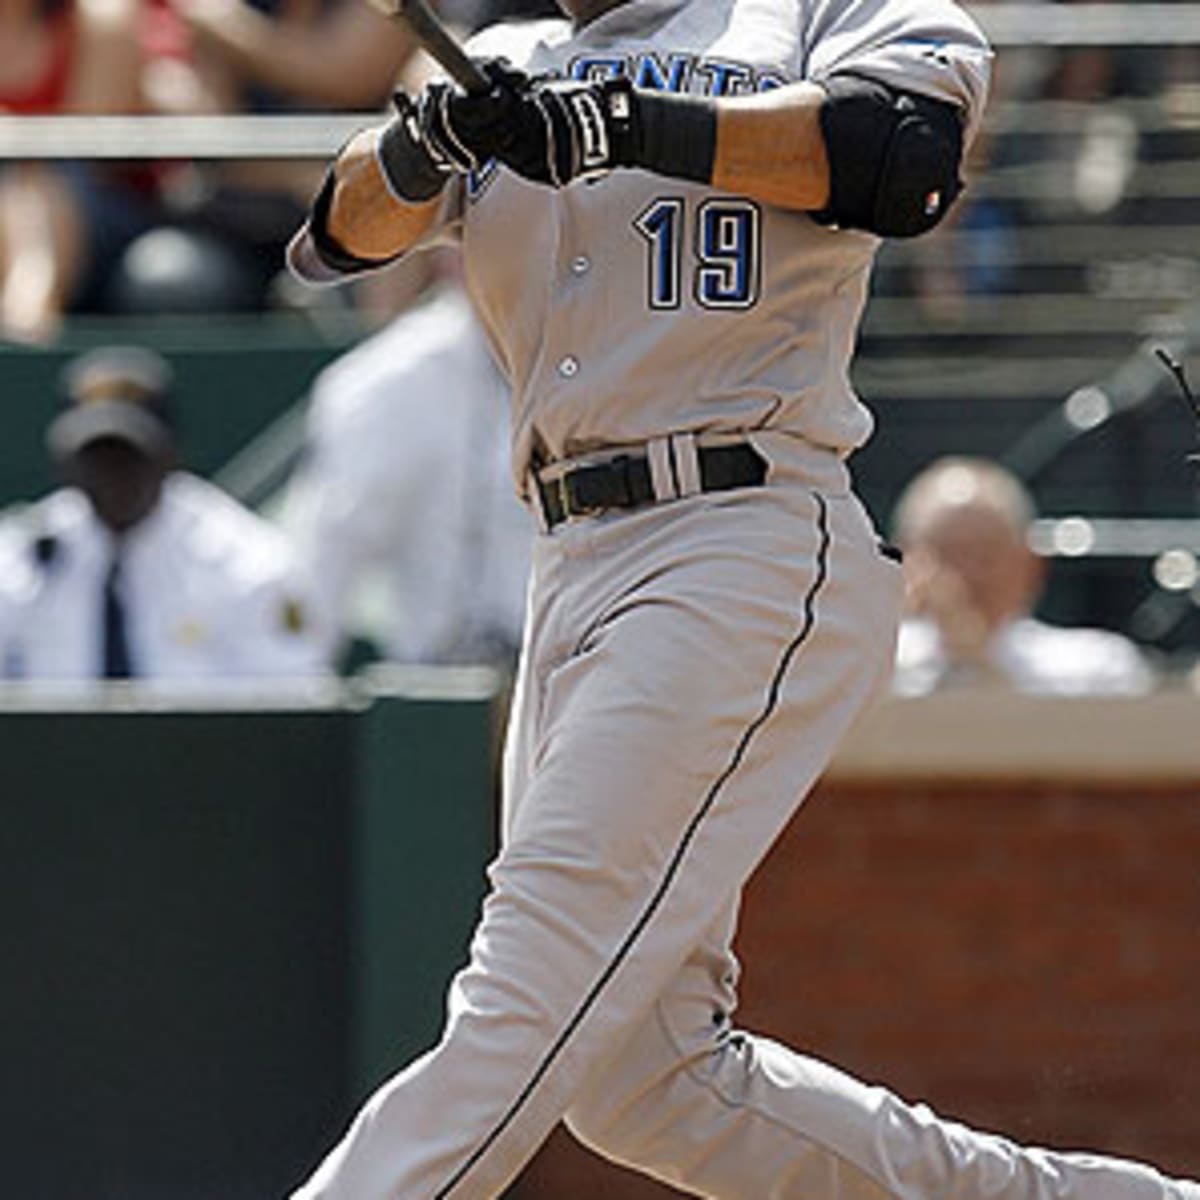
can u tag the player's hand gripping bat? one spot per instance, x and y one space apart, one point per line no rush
436 40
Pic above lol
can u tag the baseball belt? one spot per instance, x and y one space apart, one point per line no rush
626 481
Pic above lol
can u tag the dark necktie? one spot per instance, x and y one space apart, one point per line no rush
115 635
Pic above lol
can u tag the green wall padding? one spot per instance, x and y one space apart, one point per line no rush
219 929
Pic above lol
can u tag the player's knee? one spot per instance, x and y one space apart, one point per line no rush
608 1113
590 1119
621 1111
617 1122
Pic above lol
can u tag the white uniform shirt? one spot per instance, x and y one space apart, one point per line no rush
1031 657
635 306
210 591
407 485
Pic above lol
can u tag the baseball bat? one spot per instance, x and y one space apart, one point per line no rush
435 38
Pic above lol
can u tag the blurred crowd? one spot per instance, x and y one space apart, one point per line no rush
1106 119
136 568
400 526
177 235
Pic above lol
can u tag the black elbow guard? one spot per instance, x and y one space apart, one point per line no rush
894 157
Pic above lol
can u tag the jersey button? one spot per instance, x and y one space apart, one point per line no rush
581 264
568 367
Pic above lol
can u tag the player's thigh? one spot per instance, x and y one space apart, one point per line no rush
728 649
721 660
724 649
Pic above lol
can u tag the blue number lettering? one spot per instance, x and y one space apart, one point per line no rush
728 252
662 225
727 242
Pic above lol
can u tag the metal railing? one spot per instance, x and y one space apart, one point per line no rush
234 136
1129 24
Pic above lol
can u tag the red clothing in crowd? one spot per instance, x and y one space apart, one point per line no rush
47 93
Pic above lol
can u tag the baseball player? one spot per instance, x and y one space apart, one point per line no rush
669 210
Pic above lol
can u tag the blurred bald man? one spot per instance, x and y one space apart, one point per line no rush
973 583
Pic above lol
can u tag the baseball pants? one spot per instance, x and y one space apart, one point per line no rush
689 669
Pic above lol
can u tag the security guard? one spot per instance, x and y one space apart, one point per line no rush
138 570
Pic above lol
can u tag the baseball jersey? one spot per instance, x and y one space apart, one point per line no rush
635 306
211 592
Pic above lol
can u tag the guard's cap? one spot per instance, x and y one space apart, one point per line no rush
115 392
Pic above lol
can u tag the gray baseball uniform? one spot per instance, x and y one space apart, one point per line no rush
690 664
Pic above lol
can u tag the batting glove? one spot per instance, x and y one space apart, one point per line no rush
568 130
556 131
463 130
413 173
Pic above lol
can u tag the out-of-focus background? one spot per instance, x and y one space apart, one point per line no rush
248 809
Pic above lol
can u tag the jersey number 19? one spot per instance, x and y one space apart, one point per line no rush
726 258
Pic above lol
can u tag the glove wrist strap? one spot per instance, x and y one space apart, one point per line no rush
411 172
672 135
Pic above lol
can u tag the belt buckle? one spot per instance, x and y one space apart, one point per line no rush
564 495
569 497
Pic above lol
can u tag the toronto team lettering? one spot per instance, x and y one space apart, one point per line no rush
677 73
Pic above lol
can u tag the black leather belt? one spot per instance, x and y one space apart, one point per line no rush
625 481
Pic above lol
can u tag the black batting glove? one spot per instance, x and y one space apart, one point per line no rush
413 173
463 130
565 131
556 131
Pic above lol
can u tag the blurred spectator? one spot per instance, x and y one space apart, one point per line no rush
233 220
1092 145
290 54
406 484
973 582
63 226
137 569
1083 157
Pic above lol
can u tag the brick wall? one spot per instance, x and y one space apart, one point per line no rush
1025 958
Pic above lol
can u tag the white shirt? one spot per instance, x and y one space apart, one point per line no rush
407 486
210 592
1030 656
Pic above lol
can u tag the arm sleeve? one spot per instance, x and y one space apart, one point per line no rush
277 634
931 47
